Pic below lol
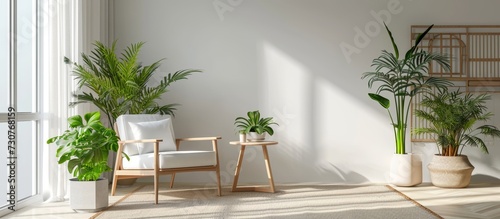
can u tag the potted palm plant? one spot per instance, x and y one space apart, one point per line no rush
452 118
255 126
85 147
120 84
402 78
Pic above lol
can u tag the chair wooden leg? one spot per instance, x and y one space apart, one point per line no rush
172 178
113 186
156 177
217 172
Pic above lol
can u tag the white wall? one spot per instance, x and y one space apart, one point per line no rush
284 58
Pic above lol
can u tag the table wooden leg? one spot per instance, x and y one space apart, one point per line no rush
238 167
268 167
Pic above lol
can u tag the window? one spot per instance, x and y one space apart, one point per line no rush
19 94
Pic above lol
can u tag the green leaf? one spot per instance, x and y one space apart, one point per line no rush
72 164
384 102
417 42
396 50
93 117
422 35
75 121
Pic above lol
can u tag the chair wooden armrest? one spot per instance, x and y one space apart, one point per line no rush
199 139
140 141
213 139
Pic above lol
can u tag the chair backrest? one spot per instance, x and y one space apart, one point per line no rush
146 126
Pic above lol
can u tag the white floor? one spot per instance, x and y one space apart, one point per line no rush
479 200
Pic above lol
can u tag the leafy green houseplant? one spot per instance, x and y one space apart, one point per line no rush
85 146
452 119
255 124
119 84
402 78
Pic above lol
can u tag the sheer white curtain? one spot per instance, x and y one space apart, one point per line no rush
69 28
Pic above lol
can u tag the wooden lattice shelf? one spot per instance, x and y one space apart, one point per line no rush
474 52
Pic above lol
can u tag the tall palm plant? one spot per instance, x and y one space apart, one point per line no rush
120 85
452 116
403 78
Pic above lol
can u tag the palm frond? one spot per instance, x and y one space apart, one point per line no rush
119 85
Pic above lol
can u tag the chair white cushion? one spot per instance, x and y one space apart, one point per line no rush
161 129
171 159
126 133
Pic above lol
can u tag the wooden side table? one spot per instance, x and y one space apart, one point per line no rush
264 145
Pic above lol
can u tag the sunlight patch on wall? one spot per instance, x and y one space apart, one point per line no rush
285 94
346 129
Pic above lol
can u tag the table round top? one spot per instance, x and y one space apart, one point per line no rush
253 143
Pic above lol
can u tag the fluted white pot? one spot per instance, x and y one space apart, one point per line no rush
405 170
450 171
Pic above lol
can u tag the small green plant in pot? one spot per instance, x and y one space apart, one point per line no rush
452 119
85 147
255 126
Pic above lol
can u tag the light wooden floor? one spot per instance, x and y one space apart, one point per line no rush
479 200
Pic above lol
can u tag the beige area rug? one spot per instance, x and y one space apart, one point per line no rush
323 201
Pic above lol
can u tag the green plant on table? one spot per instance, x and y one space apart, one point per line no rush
403 78
452 117
254 123
85 146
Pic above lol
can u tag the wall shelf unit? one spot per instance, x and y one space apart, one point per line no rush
474 52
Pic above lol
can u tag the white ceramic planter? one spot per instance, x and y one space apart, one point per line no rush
405 170
450 171
253 136
88 196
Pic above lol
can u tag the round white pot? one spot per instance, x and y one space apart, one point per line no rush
450 171
405 170
253 136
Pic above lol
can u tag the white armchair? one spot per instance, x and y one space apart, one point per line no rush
150 143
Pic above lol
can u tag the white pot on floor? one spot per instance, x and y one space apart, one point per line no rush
88 196
405 170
